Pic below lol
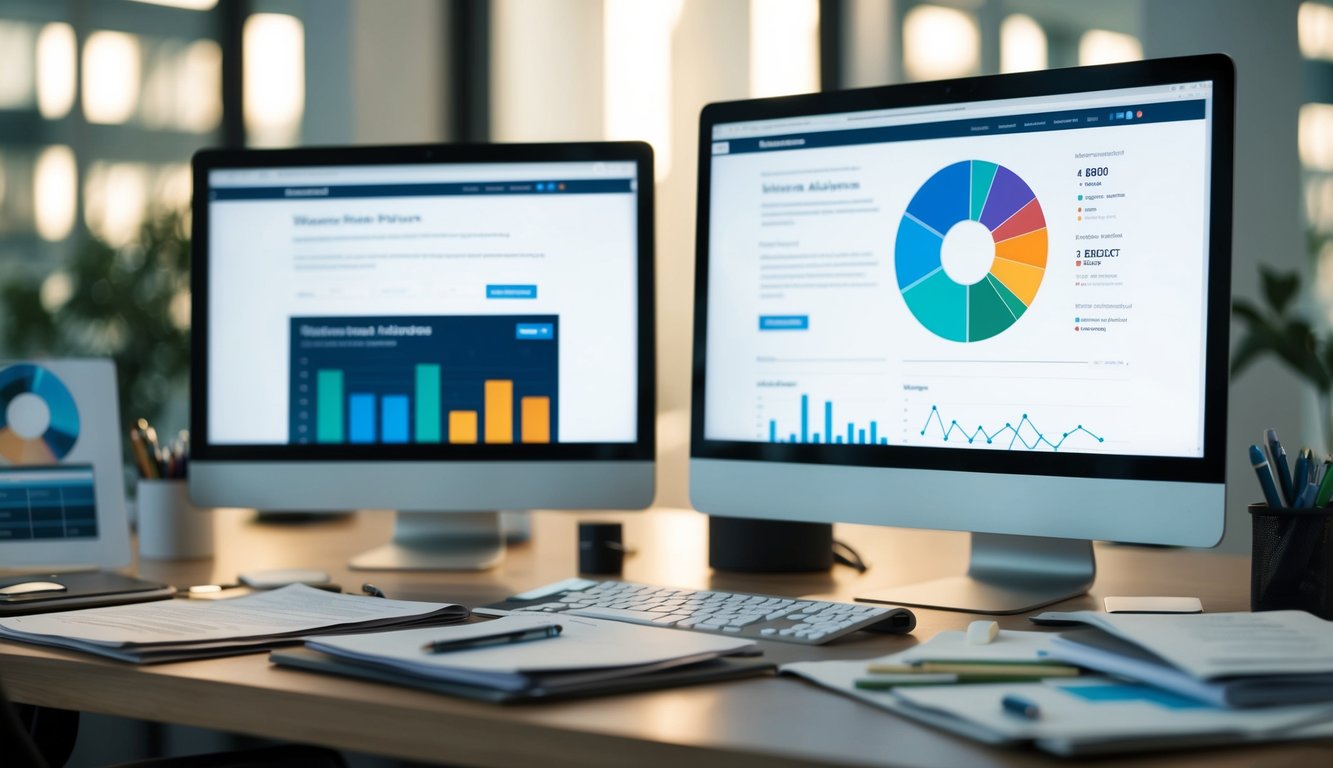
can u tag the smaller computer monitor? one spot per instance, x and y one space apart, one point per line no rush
429 329
997 305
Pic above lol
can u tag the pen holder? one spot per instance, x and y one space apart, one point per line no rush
170 527
1291 565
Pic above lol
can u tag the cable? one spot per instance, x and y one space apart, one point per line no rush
843 553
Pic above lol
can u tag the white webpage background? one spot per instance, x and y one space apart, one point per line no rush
1148 396
582 252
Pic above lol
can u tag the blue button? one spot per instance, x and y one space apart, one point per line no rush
511 291
784 322
534 331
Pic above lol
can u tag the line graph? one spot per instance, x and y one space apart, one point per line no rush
1026 433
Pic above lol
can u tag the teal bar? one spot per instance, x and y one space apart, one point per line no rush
428 421
329 406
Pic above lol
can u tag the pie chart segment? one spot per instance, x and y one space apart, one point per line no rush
943 200
983 174
998 199
62 430
918 252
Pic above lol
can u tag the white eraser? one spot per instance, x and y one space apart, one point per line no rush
982 632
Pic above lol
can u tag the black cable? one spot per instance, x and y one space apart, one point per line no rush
843 553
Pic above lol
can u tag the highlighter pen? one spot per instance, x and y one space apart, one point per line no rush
1322 498
1261 468
1278 458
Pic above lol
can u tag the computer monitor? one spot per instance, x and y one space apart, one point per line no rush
430 329
994 304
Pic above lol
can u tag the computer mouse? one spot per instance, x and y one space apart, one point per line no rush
30 587
898 621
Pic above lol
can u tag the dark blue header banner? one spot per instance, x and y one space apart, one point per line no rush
1067 120
342 191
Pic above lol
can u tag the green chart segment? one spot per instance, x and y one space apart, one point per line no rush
996 198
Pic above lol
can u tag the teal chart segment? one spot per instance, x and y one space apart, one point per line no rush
997 199
61 418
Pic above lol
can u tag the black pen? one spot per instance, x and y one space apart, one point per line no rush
481 641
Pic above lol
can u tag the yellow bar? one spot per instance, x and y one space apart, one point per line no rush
536 419
499 411
462 426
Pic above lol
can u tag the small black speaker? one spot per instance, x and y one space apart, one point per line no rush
769 546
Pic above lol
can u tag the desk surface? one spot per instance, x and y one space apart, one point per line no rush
766 721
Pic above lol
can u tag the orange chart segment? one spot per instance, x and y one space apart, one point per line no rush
1022 279
1028 218
1027 249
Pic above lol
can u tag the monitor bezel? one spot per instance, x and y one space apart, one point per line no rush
1209 468
643 448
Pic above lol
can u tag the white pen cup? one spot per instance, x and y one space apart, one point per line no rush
170 527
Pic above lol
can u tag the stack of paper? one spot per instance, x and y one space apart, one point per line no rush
588 656
1225 659
190 629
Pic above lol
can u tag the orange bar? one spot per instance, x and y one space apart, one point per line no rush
499 411
462 426
535 413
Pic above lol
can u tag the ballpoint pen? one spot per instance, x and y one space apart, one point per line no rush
1301 474
503 638
1325 493
1305 499
1261 468
1278 458
1021 706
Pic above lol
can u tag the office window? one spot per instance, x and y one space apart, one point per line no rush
1101 46
1022 44
940 42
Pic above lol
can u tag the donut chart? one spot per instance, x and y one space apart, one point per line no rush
996 198
62 427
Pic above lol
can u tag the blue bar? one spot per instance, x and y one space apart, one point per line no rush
326 191
1065 120
772 431
884 441
861 436
793 438
534 331
805 418
851 433
814 438
873 429
362 418
393 415
784 322
511 291
828 418
838 439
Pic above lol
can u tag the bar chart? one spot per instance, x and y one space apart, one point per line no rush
463 380
820 424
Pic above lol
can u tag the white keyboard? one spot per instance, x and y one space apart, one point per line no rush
760 617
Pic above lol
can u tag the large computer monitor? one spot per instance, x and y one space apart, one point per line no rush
995 304
429 329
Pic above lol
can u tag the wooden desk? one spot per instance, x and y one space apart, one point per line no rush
766 721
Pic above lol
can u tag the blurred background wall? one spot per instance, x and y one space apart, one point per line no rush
102 103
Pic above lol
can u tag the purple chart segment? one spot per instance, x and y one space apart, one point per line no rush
1008 193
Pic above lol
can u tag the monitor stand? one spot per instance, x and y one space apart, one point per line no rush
438 541
1005 574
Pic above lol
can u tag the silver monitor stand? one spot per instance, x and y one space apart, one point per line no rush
438 541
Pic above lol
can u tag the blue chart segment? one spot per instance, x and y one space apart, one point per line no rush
463 379
1023 435
822 426
47 503
997 199
62 417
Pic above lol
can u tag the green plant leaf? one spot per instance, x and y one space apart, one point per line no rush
1279 287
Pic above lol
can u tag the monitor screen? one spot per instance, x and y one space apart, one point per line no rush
409 309
997 304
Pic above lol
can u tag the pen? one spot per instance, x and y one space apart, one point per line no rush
516 636
1261 468
1278 457
887 682
1301 474
1325 493
1021 706
1306 498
